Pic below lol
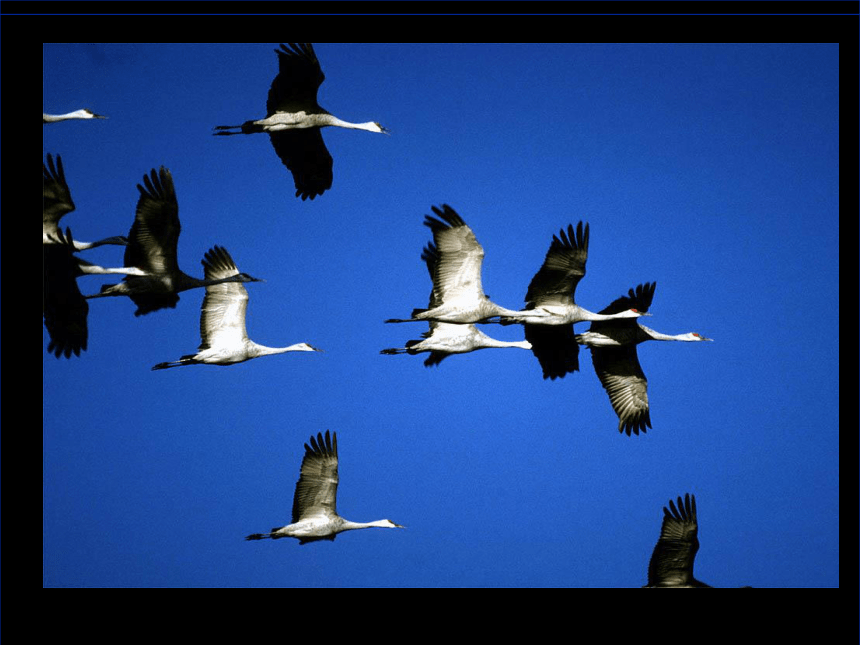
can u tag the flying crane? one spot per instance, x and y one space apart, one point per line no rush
613 354
551 308
315 500
152 248
223 336
294 120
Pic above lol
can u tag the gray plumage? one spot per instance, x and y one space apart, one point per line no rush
551 308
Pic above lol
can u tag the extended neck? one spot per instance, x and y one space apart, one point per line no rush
656 335
330 119
262 350
381 524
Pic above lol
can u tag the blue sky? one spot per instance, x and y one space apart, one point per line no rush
710 169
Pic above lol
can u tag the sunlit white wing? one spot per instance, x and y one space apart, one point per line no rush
458 269
316 490
222 316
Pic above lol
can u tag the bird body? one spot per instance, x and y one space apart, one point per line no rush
57 202
294 119
223 335
613 354
77 114
315 500
445 339
458 295
152 248
671 563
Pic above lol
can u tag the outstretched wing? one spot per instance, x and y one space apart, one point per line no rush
56 196
154 237
316 490
457 270
304 154
299 77
624 381
562 269
639 299
64 308
671 562
555 347
222 315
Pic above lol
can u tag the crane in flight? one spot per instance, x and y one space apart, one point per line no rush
456 275
444 339
152 248
223 337
613 354
551 308
315 500
294 120
57 202
77 114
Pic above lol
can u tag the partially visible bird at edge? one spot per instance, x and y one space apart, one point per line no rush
77 114
57 202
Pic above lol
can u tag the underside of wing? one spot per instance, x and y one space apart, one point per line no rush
304 154
154 236
621 376
56 196
671 562
555 347
64 308
299 77
222 315
562 269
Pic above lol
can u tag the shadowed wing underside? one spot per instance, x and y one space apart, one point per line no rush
671 563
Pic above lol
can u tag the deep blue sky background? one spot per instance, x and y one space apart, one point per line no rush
712 169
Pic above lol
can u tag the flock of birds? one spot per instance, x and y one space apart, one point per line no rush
153 280
458 303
